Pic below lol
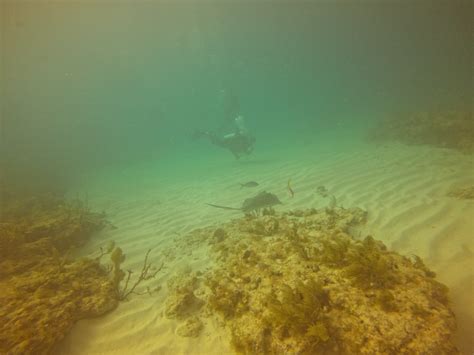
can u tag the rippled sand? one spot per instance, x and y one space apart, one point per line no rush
404 189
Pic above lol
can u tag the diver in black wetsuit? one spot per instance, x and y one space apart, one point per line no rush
239 142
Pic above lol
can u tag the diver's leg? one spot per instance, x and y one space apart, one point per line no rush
236 155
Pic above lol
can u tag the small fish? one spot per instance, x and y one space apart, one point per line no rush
249 184
290 190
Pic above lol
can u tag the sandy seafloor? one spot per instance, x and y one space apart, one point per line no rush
403 188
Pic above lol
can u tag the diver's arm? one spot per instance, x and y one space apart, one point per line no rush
215 139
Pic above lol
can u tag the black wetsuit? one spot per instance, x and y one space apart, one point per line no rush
238 143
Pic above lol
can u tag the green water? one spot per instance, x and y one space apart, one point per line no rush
103 97
90 83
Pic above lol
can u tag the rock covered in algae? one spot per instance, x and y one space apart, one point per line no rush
39 308
182 302
462 193
190 328
44 292
446 129
184 305
307 286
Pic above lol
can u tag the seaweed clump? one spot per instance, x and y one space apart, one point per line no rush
309 287
387 301
371 266
299 312
118 275
226 298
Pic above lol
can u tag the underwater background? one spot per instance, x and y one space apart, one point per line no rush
101 100
90 84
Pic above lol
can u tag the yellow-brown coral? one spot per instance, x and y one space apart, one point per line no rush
44 292
437 128
462 193
309 287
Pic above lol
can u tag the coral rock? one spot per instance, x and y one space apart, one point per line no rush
191 327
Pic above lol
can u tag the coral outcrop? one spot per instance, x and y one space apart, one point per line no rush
299 283
44 291
442 129
183 304
191 328
462 193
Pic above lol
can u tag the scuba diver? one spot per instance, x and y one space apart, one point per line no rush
239 143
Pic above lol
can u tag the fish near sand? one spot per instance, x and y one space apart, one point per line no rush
249 184
261 200
290 190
